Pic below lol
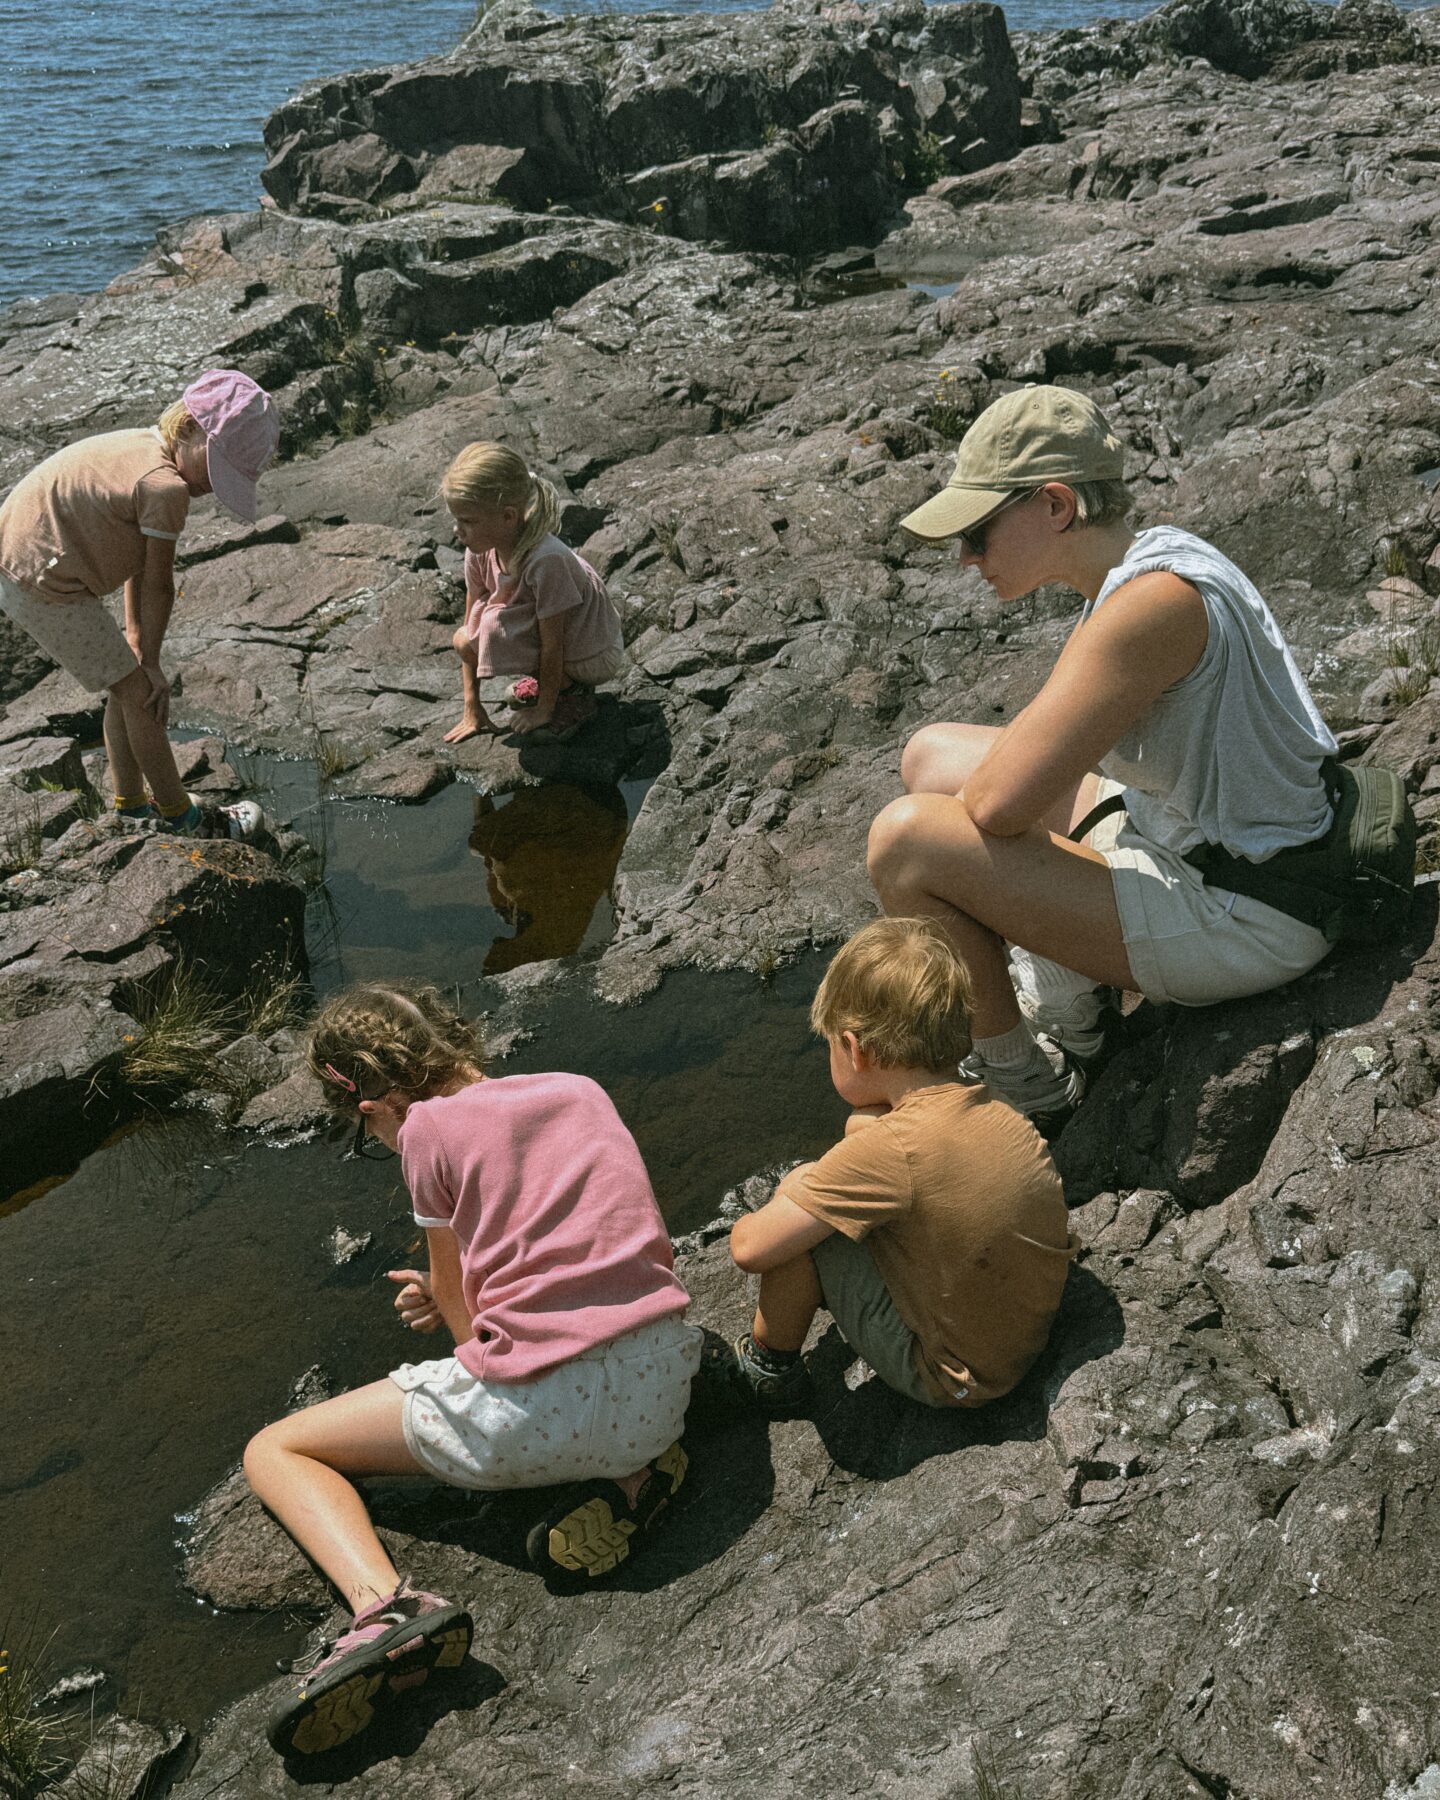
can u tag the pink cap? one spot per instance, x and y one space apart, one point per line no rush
242 433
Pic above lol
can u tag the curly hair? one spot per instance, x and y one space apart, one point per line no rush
380 1037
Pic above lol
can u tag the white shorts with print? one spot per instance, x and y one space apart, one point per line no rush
1191 943
81 635
607 1412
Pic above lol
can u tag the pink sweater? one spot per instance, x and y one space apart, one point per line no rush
562 1246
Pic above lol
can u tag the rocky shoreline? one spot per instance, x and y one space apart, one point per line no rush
738 284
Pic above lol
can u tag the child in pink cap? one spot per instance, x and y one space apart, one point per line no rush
106 512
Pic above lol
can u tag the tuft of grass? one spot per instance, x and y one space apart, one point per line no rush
274 1001
22 835
1427 856
667 535
926 160
1415 656
34 1740
988 1785
945 414
1394 561
185 1022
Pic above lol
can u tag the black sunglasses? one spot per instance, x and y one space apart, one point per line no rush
362 1145
972 542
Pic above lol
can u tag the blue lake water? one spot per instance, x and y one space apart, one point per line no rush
119 117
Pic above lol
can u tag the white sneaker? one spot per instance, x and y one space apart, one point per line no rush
1047 1089
240 821
1074 1025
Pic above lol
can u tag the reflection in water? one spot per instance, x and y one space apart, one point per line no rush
550 854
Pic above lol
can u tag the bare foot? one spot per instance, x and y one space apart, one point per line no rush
470 726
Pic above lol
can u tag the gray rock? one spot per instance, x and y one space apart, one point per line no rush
125 1760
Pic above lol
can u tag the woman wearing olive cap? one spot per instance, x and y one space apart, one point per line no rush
1175 690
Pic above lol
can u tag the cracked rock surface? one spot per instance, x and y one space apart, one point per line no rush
1195 1554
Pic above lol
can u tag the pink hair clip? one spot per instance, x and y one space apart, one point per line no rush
344 1080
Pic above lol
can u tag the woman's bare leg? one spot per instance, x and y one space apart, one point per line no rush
1056 898
298 1468
940 759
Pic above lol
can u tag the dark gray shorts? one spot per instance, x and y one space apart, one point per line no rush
860 1304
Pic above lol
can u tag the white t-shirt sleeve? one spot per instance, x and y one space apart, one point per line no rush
162 504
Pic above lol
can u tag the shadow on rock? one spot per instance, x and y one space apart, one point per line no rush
874 1432
401 1731
729 1485
1190 1099
626 740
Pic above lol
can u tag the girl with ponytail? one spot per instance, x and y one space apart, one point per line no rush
533 608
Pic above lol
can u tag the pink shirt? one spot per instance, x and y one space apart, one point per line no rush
503 611
562 1246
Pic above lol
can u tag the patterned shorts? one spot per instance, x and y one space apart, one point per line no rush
607 1412
81 635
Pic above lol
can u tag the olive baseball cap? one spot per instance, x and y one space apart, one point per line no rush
1023 440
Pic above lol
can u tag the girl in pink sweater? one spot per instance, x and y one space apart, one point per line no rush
550 1266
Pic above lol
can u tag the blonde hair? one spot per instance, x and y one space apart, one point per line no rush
900 987
490 475
1099 502
173 425
375 1039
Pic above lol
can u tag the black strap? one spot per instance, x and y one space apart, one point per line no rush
1116 803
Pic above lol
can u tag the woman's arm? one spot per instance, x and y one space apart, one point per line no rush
1148 635
445 1287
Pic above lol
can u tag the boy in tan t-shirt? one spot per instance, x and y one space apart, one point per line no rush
935 1232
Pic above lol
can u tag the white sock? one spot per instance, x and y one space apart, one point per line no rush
1049 984
1010 1050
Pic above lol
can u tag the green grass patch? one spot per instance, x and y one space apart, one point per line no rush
185 1022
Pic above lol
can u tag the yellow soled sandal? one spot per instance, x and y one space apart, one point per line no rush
390 1649
590 1528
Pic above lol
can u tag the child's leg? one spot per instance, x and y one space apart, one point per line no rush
298 1468
137 745
789 1299
126 780
473 717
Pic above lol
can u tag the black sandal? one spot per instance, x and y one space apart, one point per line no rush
590 1528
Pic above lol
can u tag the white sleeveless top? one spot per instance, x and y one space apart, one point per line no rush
1231 754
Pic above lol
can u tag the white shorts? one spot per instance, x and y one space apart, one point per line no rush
592 670
608 1412
1190 943
81 635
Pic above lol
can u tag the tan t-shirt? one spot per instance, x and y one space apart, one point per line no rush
77 524
962 1207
